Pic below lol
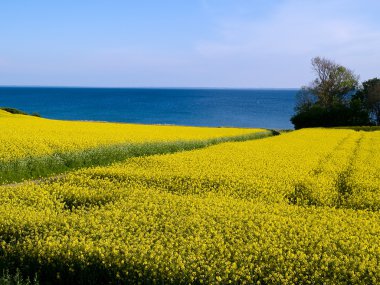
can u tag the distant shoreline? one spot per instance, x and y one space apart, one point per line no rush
147 87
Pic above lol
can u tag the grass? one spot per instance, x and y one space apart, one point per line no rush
37 167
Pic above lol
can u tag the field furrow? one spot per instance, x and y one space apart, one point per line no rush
267 170
364 178
325 185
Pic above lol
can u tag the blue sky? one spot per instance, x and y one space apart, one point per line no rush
184 43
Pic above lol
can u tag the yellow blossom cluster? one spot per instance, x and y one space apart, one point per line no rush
147 235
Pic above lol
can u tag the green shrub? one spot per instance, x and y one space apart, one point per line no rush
19 112
337 115
13 111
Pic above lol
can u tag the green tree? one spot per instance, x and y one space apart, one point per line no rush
327 100
369 96
333 83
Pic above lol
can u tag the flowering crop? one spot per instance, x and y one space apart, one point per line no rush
32 147
299 208
149 235
24 136
321 167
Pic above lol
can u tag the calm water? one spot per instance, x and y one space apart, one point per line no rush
199 107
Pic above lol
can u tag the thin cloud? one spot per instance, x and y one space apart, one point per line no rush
296 31
244 43
296 28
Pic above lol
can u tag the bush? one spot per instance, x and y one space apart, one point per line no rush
19 112
13 111
337 115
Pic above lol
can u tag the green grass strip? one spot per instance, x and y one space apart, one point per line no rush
44 166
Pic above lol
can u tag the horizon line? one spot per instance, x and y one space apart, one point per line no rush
149 87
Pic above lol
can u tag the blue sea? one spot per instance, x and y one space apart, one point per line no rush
264 108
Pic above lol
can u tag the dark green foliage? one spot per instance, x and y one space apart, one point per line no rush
19 112
13 111
368 96
337 115
333 99
35 114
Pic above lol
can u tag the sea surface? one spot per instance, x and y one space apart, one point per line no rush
264 108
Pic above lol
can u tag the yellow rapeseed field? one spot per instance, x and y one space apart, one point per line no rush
299 208
307 166
23 136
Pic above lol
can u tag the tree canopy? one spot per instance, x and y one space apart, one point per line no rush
369 96
333 82
330 100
